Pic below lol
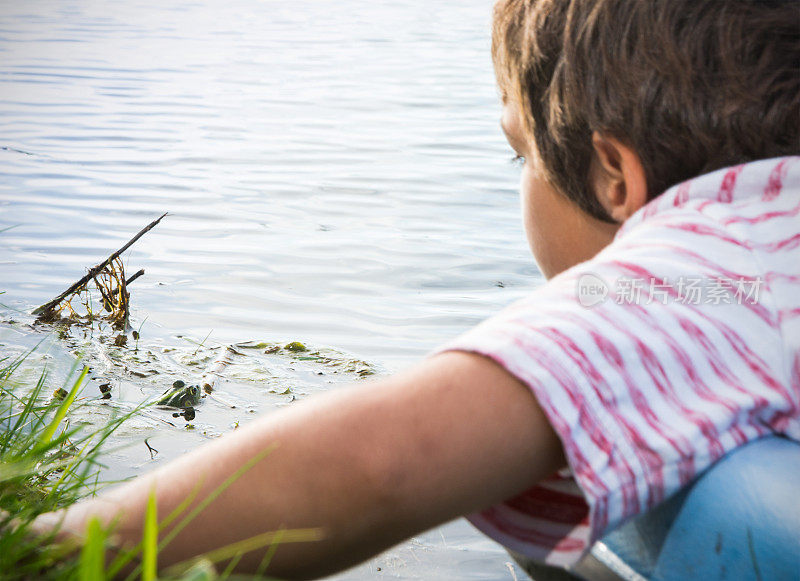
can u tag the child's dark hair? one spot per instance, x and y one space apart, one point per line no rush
690 85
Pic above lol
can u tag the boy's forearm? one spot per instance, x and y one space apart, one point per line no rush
369 465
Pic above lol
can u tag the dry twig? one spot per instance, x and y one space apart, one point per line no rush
109 278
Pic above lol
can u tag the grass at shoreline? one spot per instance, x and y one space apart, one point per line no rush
45 465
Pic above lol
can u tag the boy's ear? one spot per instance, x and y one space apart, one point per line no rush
617 177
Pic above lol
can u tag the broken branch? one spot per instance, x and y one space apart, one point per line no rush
47 309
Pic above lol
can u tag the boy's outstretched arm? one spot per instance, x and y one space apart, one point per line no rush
371 465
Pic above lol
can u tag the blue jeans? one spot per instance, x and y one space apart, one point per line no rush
739 520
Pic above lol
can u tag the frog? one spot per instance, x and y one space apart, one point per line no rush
181 396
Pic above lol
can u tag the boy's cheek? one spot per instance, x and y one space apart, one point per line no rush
545 223
560 234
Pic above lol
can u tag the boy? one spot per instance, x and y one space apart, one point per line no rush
641 126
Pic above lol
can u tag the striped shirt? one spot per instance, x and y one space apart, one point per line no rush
678 342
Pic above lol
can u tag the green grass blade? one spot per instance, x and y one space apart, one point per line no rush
28 407
231 566
69 471
270 539
47 434
209 499
215 493
126 557
93 554
46 465
268 556
150 539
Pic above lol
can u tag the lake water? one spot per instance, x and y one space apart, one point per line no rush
334 173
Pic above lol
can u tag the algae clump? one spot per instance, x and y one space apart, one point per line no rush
295 347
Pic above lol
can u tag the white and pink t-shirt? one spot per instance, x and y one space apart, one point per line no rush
677 343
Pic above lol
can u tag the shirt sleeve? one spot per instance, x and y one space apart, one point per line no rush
645 381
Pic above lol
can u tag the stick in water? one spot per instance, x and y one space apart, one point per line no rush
48 308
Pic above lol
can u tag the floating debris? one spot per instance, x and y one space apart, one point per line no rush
208 381
254 345
295 347
105 390
78 304
153 451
